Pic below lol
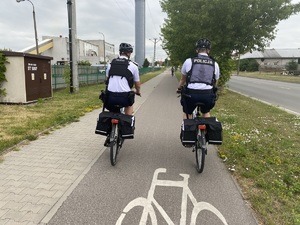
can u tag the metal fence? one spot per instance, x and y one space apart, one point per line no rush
87 75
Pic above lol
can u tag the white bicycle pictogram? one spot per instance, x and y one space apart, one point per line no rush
148 209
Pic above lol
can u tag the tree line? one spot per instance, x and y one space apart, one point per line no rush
233 26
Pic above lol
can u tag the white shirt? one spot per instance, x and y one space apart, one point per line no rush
186 67
119 84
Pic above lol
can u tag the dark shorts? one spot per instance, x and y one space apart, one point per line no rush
206 97
117 100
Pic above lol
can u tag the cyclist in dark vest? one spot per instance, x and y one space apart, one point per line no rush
122 75
200 74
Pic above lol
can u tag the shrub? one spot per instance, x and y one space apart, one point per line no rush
248 65
291 66
3 61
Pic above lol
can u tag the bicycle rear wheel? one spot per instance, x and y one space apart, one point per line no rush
200 150
115 145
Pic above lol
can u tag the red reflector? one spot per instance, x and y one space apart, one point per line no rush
201 127
114 121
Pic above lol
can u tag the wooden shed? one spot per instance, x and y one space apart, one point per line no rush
28 78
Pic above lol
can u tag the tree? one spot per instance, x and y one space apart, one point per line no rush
291 66
249 65
233 26
146 63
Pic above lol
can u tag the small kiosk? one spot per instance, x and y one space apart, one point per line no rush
28 78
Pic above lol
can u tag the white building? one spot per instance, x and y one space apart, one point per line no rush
108 48
87 50
274 59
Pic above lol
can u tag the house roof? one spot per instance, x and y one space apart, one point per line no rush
273 54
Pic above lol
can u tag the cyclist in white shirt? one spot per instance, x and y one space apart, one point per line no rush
200 74
122 74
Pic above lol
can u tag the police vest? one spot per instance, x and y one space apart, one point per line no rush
202 71
119 67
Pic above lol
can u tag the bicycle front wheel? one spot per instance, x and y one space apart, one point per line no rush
200 150
114 147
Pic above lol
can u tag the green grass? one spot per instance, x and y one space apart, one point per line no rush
261 149
271 76
261 144
27 122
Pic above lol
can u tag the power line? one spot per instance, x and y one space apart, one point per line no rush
123 12
151 17
132 2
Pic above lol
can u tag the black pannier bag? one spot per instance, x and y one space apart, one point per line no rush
214 131
127 126
104 123
188 134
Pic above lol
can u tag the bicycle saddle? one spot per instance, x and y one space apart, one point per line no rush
199 104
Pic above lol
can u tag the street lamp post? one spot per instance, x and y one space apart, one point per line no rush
103 46
34 22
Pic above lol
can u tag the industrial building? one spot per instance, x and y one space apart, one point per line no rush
95 51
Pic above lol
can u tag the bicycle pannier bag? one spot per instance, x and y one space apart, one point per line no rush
104 123
127 126
214 131
188 132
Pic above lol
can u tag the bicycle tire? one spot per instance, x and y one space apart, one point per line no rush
200 151
114 147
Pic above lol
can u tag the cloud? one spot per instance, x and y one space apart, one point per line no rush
287 35
114 18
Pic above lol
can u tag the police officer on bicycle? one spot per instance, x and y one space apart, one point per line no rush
122 74
200 74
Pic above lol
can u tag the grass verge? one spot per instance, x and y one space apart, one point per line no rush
261 149
271 76
261 144
26 122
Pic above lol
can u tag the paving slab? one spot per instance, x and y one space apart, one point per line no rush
37 179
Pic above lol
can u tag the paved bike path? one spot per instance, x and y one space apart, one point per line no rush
105 191
38 178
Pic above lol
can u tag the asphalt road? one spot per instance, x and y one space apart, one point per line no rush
282 94
105 191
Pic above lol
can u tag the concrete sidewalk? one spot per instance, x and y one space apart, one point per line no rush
38 178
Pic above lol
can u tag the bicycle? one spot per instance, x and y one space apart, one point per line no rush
149 203
200 146
115 138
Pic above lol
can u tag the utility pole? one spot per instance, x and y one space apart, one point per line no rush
155 40
73 46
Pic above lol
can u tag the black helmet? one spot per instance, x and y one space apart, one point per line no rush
124 47
203 43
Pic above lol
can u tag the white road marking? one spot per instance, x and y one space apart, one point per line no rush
147 203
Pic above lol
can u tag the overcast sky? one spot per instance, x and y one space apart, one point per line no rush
114 18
